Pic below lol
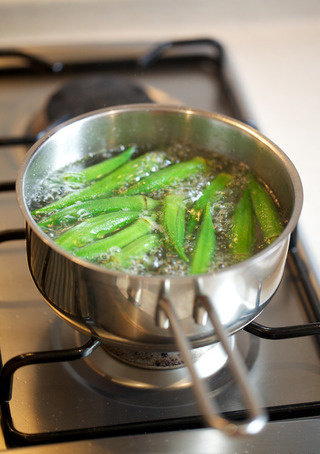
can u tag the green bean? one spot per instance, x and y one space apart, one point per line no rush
136 250
205 244
211 194
169 175
94 228
265 211
118 240
243 228
126 174
99 170
174 214
71 214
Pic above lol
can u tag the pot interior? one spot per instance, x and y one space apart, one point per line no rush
156 127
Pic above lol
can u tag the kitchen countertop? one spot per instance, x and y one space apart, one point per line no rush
274 48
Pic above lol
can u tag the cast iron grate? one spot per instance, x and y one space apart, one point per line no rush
14 437
156 58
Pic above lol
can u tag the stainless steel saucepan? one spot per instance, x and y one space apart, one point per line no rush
161 312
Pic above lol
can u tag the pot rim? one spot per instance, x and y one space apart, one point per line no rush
295 178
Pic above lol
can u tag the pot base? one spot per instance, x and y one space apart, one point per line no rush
163 360
120 373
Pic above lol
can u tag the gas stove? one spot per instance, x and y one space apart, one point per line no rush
76 395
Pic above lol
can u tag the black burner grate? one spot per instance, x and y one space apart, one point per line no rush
157 57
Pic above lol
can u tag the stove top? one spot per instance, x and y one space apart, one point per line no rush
79 399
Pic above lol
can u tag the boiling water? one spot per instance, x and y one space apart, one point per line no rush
165 261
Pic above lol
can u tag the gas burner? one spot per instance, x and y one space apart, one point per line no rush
154 360
85 94
118 372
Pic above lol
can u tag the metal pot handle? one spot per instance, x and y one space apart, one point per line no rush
167 318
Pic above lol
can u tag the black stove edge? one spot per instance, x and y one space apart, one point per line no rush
15 438
35 65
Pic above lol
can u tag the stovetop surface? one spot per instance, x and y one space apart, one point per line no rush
54 397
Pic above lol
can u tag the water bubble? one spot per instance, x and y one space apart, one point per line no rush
165 260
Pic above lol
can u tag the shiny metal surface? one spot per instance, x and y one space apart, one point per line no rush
120 308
